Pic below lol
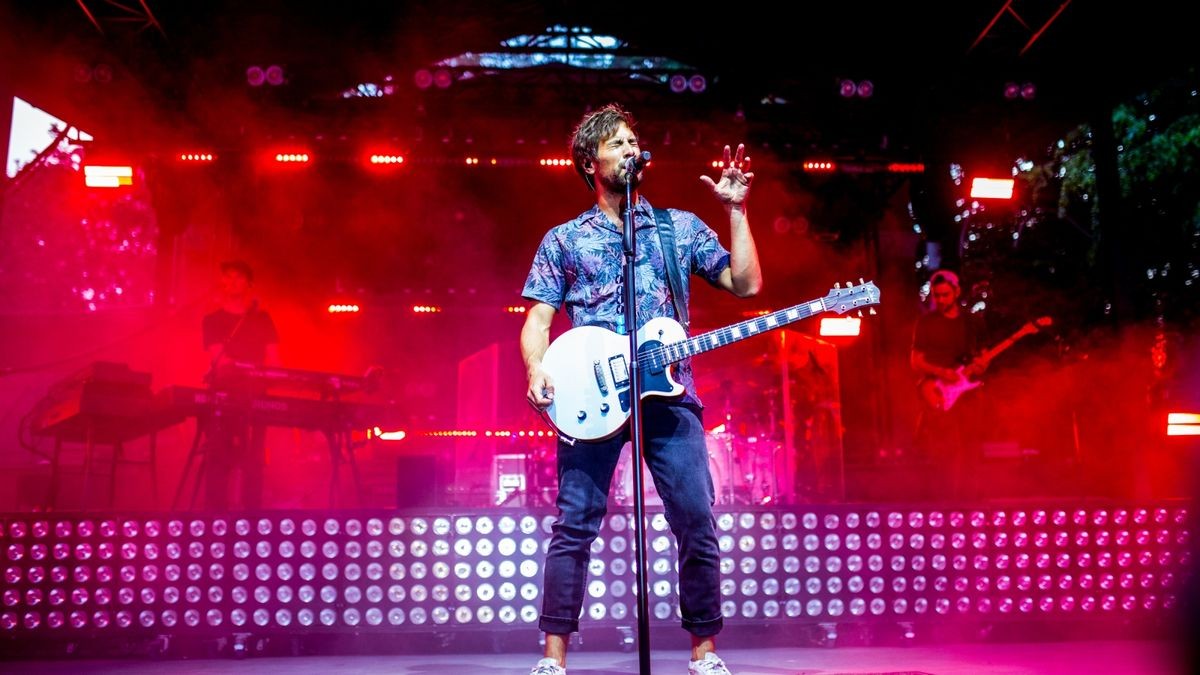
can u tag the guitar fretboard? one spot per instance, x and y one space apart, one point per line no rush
662 356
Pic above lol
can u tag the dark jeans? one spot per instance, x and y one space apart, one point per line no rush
678 460
950 443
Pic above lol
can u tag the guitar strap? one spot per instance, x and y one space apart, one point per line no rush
666 237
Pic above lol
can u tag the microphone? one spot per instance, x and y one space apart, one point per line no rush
635 164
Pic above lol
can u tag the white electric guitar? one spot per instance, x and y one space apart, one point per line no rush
590 368
942 395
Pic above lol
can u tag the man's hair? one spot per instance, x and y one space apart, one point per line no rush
944 277
591 130
239 266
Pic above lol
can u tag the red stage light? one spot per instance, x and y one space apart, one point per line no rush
991 188
819 166
107 176
1183 424
382 435
274 75
906 167
426 309
344 308
515 309
841 326
292 157
197 157
387 159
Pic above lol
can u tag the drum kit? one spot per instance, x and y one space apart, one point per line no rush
748 469
748 456
748 452
774 428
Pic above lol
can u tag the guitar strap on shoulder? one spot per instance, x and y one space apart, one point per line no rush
666 236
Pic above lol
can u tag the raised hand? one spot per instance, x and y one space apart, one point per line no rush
734 186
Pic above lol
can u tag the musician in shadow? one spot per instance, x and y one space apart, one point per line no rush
949 434
237 336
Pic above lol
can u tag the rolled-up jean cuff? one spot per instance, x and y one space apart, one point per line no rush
704 629
557 626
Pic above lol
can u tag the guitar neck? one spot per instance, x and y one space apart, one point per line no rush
1005 344
677 351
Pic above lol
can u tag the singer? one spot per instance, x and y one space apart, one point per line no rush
579 266
238 333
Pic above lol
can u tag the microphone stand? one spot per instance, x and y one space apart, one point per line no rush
635 419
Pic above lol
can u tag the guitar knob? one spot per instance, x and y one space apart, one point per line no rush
603 407
582 415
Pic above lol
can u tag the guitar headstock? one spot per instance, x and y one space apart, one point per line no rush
842 300
1038 324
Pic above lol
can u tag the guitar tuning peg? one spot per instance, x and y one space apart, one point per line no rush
873 312
860 314
837 285
860 281
849 284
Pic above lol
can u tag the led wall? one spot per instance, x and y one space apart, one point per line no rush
75 575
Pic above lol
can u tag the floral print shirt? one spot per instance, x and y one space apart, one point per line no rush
579 265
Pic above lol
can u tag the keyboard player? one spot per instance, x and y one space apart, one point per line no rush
242 333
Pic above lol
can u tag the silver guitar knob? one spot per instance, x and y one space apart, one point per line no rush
603 407
582 415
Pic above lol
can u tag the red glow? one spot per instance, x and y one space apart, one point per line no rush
487 433
426 309
197 157
991 188
515 309
906 167
382 435
472 161
1183 424
554 161
819 166
344 308
292 157
841 326
107 176
757 312
387 159
718 164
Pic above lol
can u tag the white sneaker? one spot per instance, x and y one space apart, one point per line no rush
711 664
551 667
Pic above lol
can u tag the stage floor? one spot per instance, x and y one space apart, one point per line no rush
1133 657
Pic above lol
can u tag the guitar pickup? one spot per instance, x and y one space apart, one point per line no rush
620 371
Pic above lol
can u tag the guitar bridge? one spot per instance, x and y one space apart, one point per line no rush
600 381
